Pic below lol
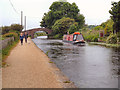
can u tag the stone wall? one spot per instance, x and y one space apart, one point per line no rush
6 42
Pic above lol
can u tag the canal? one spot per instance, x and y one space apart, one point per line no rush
88 66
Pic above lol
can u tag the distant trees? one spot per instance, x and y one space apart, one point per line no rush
16 27
108 26
115 12
40 34
13 27
5 29
61 9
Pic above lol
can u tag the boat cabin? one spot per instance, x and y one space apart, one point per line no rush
74 38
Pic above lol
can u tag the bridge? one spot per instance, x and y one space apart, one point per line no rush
31 32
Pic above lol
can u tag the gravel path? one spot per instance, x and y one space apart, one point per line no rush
29 68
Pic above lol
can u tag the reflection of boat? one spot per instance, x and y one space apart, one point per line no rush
75 38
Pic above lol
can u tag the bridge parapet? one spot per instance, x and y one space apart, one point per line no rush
32 31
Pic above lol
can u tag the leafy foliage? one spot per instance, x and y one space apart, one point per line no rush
13 28
98 27
41 34
115 12
73 28
91 35
16 27
5 29
62 26
11 34
11 43
59 10
108 27
112 39
91 26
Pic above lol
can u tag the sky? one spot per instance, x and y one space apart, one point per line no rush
95 11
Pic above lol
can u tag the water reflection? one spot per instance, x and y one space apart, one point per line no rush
87 66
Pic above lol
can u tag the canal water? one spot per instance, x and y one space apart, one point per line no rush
88 66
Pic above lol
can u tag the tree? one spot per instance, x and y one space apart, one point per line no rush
61 26
98 27
16 27
81 20
59 10
13 27
5 29
115 12
73 28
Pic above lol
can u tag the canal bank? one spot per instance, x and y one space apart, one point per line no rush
105 44
29 67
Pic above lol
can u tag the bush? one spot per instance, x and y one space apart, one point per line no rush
5 29
91 38
11 34
14 28
58 36
95 39
112 39
11 43
17 32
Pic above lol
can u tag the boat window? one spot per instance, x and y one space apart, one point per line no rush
80 37
75 37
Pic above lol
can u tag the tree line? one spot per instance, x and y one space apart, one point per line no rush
63 17
111 27
12 28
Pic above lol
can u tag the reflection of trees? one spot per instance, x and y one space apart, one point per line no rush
56 49
55 52
62 51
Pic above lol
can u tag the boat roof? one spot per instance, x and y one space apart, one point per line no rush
77 33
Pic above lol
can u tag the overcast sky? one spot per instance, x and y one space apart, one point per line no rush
95 11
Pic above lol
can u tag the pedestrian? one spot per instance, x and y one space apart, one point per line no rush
21 38
26 36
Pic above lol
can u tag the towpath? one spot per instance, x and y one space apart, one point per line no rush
29 68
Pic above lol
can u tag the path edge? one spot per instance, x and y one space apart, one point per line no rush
62 78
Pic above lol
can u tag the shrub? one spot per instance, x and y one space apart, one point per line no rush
13 28
91 38
58 36
112 39
11 34
95 39
17 32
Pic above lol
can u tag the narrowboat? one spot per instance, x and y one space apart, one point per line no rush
75 38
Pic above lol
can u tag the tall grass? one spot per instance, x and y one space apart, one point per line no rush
91 35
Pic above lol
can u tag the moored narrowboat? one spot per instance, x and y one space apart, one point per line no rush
75 38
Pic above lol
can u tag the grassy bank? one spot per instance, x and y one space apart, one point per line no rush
6 51
105 44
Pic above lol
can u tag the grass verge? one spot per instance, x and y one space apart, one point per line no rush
105 44
6 51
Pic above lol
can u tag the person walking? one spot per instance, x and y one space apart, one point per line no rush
26 36
21 38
